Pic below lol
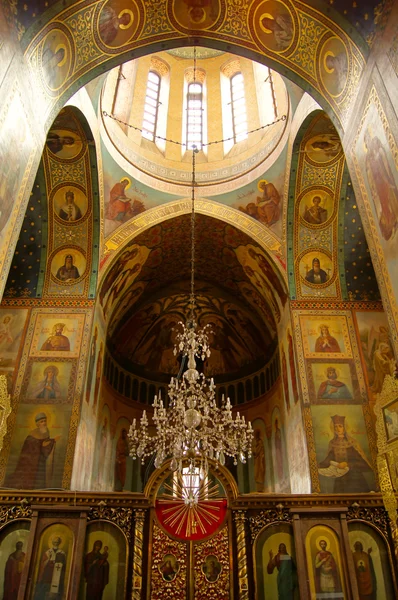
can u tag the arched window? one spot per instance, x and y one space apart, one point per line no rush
195 116
151 106
238 105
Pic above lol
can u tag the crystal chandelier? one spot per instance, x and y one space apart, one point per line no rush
192 427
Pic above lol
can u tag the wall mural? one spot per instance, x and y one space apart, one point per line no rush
320 164
236 338
12 324
71 188
38 447
376 350
229 259
342 449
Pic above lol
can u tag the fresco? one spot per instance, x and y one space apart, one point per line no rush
342 449
49 381
371 561
333 382
102 472
316 268
148 337
56 59
325 336
65 144
275 564
376 347
118 22
55 336
38 446
324 563
13 545
191 14
317 208
12 324
380 174
70 203
258 453
333 65
292 366
322 148
68 265
104 564
274 25
121 276
52 577
279 454
120 456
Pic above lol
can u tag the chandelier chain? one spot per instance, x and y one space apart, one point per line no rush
192 426
165 139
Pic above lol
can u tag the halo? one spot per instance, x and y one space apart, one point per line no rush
265 16
260 184
129 182
327 54
63 61
10 316
201 20
57 535
126 11
319 539
51 368
321 326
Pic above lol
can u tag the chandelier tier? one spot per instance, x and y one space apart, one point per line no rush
192 426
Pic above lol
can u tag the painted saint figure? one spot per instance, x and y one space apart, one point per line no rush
69 211
316 215
91 363
332 388
268 208
122 452
287 572
13 572
57 341
96 571
326 342
382 185
346 455
68 271
49 387
365 572
110 22
281 27
121 207
5 333
316 274
326 574
259 461
51 577
383 364
56 143
35 463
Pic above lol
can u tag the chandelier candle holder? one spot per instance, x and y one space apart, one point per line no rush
192 427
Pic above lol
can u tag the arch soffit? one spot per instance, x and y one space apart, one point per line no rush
246 39
267 241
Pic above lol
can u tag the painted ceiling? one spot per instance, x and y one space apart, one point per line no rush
365 16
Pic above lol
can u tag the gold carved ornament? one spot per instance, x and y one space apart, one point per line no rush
5 408
387 449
